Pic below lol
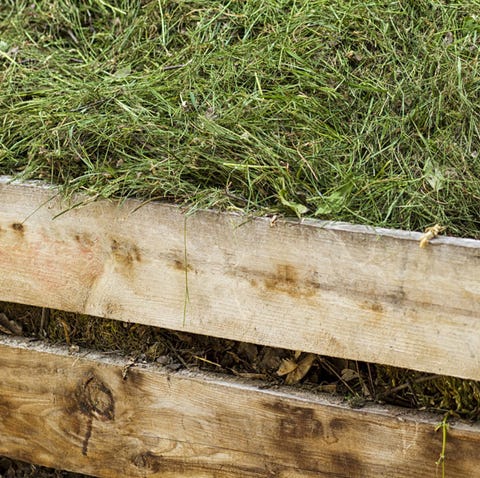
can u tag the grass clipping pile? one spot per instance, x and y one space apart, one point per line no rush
356 111
357 382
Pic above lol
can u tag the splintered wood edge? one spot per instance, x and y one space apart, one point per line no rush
335 289
91 413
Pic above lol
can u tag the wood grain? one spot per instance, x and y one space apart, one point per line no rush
327 288
77 412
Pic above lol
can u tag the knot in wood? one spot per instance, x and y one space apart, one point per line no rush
96 400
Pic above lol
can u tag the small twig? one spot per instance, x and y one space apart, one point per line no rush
197 357
65 331
175 67
370 380
10 327
234 196
332 370
43 321
408 385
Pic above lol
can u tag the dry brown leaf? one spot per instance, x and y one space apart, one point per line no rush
287 366
300 370
366 390
9 327
269 359
328 388
297 354
250 351
348 374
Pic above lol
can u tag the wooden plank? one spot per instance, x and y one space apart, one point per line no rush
332 289
77 412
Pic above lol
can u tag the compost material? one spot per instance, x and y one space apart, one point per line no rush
357 382
18 469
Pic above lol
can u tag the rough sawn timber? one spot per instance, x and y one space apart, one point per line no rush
83 413
333 289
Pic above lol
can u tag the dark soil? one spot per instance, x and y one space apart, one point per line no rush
357 382
18 469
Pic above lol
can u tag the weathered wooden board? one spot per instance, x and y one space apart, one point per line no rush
332 289
77 412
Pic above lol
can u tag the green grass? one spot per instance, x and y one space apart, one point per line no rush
364 111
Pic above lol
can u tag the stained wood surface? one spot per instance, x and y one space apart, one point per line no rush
78 412
327 288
